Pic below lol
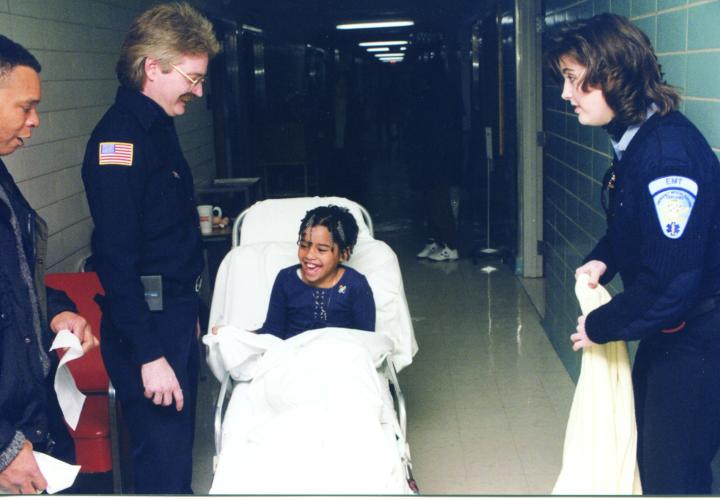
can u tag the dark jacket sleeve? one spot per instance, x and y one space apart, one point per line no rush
57 302
363 306
115 194
276 319
603 253
11 442
669 274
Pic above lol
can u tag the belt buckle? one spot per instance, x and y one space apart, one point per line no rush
198 284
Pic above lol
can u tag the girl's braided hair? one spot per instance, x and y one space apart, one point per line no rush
338 221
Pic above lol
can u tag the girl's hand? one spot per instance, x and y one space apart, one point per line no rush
580 338
594 269
215 329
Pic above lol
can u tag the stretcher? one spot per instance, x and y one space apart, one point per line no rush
322 412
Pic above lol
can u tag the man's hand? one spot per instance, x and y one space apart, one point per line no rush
160 383
580 338
68 320
594 269
22 475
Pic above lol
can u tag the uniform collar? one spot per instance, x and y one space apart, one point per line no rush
621 145
145 109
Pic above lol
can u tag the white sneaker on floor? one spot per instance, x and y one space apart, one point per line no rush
443 254
430 248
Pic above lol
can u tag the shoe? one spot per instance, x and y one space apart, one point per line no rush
431 247
443 254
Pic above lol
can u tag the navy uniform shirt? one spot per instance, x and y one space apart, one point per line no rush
663 234
140 191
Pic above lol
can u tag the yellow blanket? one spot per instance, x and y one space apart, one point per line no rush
601 437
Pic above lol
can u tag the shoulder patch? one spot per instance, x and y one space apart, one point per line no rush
674 198
115 153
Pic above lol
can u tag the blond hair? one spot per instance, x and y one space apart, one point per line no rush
164 32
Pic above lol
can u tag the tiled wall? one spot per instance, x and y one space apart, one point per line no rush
77 43
686 36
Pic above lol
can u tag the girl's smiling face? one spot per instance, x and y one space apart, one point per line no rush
590 105
319 257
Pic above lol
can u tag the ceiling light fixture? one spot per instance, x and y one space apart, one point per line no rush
381 44
378 49
375 24
390 54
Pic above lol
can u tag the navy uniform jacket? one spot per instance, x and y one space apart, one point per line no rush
23 401
140 191
667 264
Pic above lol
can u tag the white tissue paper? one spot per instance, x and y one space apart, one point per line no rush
70 398
58 474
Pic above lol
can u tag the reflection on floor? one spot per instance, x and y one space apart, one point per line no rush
488 398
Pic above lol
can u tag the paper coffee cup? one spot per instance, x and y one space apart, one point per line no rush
205 213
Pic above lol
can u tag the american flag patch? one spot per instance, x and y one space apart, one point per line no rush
116 153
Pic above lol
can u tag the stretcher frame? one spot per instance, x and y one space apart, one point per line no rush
386 369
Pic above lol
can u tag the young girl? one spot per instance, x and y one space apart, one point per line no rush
662 200
319 291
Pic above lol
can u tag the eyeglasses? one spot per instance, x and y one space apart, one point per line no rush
194 82
607 194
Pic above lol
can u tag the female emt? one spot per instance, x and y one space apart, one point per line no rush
661 196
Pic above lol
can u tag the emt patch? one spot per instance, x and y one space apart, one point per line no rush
674 198
116 153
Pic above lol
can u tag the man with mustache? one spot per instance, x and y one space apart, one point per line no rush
147 241
30 418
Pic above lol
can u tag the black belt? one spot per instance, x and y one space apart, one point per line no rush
706 305
174 288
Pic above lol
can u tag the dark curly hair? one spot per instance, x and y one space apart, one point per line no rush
13 54
339 222
620 61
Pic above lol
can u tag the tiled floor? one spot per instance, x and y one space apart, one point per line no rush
488 398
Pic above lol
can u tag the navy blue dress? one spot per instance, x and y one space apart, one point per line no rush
296 307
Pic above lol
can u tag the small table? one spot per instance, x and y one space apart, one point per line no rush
218 234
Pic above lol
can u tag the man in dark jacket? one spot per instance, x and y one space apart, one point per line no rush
30 417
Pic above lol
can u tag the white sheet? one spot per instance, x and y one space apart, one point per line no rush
601 437
312 420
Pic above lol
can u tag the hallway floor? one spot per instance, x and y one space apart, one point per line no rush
488 398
